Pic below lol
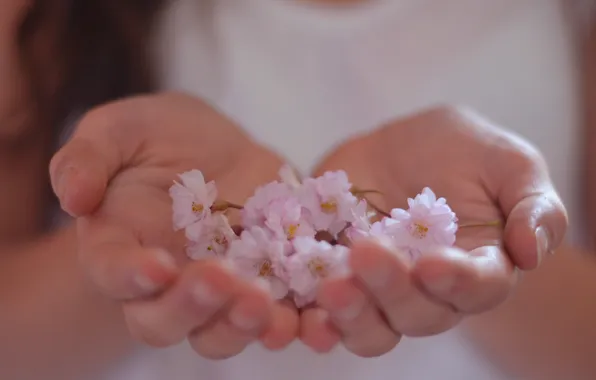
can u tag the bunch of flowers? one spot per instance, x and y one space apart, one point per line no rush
294 233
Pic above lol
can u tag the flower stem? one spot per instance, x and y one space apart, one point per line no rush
234 206
360 192
377 208
224 206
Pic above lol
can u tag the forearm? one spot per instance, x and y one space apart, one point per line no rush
52 323
547 330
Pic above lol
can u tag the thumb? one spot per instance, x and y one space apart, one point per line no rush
103 143
536 219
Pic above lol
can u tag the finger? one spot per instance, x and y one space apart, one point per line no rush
316 331
245 320
471 282
118 264
102 144
535 228
284 326
363 330
202 291
386 274
536 220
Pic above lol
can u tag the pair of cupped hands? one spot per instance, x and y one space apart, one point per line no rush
114 174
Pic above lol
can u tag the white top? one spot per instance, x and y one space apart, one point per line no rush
303 78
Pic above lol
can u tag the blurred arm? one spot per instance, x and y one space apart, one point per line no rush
52 324
547 330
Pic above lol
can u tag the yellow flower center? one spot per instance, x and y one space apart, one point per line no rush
221 240
266 269
210 248
291 231
317 267
419 230
329 207
197 207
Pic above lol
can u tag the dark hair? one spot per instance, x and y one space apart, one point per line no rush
80 53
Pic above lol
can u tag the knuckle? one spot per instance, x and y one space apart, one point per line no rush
459 115
98 118
115 121
447 111
524 155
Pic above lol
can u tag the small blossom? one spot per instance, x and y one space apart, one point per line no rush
428 222
256 207
361 226
288 175
257 254
313 262
192 199
284 218
329 201
209 237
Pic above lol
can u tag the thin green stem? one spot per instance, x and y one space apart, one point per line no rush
358 192
234 206
223 206
377 209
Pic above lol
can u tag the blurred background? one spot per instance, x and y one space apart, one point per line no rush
285 70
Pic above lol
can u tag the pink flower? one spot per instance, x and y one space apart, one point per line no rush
256 207
329 201
429 222
313 262
209 237
257 254
288 175
192 199
284 217
360 227
380 229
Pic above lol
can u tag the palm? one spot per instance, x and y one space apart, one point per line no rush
403 158
115 175
171 142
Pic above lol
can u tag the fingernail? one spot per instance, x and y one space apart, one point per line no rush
206 296
542 243
440 285
239 320
262 284
146 284
165 259
376 279
350 312
385 242
63 179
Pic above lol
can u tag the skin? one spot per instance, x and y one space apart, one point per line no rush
388 294
118 165
38 270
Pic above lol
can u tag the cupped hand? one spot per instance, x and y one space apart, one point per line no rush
114 175
486 174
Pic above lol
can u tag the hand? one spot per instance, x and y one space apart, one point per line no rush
114 176
485 174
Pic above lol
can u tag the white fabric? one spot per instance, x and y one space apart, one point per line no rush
302 79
